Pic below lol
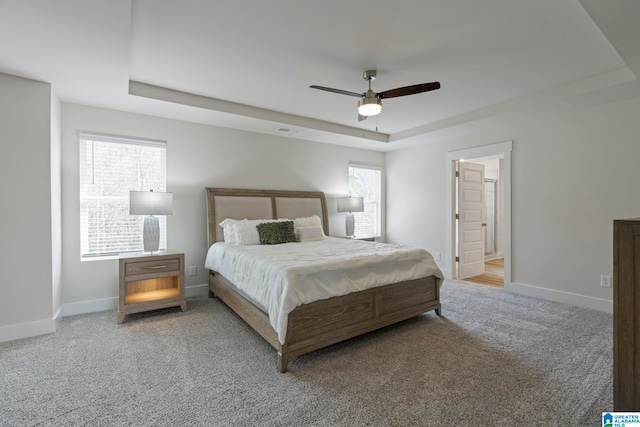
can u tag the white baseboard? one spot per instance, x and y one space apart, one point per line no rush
92 306
196 291
27 329
41 327
47 326
83 307
561 296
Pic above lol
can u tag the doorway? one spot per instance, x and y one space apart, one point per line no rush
496 235
478 220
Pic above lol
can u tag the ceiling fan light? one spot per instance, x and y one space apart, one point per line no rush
369 107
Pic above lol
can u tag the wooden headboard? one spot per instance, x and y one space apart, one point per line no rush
261 204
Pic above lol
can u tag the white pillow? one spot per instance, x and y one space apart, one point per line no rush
309 234
308 221
228 231
246 232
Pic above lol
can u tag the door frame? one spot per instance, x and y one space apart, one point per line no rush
496 218
499 149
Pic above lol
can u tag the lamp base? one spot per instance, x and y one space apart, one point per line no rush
350 224
151 233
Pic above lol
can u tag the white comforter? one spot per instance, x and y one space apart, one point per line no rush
281 277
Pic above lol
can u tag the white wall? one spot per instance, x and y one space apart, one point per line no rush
25 208
198 156
572 175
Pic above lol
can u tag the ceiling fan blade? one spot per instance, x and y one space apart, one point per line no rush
339 91
361 118
409 90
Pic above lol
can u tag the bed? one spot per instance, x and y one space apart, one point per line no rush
311 325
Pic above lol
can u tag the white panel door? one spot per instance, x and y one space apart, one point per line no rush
470 232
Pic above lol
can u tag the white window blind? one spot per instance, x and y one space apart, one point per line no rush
366 181
110 167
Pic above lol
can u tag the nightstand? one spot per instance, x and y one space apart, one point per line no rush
151 281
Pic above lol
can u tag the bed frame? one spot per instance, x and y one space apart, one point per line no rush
321 323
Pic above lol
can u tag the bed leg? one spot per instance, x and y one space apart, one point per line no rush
283 361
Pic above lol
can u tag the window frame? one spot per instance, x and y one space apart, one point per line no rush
379 215
84 227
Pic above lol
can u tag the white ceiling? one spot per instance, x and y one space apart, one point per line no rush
248 64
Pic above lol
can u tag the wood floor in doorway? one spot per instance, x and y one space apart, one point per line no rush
493 274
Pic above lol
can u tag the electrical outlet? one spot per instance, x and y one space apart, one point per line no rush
437 256
193 270
605 281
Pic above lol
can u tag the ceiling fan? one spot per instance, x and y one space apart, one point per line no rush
370 102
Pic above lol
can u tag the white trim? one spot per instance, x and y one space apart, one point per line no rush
504 149
482 151
41 327
57 318
214 104
366 166
196 291
561 296
94 136
27 329
91 306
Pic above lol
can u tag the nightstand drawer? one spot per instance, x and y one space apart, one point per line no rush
155 266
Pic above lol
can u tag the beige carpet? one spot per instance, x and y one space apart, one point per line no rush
492 359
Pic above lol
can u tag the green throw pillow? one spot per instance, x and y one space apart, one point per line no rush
273 233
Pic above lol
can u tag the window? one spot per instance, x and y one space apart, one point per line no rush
366 181
110 167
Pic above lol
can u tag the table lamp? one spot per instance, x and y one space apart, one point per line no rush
350 205
150 203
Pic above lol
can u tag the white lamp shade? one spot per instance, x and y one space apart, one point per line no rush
150 203
350 204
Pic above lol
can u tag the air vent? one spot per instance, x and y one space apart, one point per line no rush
289 130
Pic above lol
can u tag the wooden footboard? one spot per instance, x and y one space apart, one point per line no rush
322 323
